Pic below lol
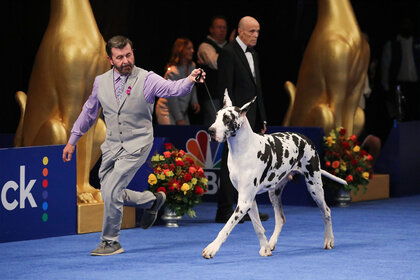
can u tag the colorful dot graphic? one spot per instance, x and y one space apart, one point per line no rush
45 192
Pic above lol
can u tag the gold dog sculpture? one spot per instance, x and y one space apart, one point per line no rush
71 54
333 72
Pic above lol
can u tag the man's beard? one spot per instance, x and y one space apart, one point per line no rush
125 69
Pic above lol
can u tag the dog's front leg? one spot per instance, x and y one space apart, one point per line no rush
265 250
240 211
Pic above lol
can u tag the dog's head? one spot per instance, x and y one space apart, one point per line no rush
229 119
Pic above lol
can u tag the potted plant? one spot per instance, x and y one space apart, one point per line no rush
346 159
177 175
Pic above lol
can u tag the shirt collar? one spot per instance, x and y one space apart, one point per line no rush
241 44
117 76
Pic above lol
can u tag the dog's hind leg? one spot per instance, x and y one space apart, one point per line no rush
280 219
240 211
314 186
265 250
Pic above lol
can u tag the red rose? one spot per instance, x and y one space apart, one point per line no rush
353 137
182 153
171 167
187 177
342 131
336 164
359 169
353 161
369 157
189 160
179 163
345 145
168 146
167 154
349 179
171 188
363 152
199 190
328 163
161 189
192 170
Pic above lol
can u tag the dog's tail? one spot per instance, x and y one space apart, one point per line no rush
332 177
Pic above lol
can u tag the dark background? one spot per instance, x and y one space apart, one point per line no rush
154 25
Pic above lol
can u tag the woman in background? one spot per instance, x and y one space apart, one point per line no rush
180 65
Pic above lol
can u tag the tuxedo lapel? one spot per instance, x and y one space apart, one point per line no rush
243 59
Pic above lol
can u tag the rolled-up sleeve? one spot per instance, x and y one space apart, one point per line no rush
156 86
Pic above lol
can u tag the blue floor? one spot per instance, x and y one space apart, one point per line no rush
374 240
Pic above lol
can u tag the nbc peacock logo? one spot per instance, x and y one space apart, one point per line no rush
207 155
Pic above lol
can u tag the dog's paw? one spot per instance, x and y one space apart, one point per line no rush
210 250
328 243
272 244
265 252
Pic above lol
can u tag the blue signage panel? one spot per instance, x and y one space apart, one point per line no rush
37 193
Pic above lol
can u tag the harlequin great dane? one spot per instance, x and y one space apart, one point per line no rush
260 163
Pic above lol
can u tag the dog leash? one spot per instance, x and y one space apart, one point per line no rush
197 79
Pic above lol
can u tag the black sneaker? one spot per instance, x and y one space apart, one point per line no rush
107 248
149 215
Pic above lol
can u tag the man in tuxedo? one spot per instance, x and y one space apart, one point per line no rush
239 73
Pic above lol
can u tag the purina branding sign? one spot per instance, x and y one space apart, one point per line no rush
37 193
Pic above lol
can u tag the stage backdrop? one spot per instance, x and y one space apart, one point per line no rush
38 193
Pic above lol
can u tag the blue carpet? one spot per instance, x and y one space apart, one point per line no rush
374 240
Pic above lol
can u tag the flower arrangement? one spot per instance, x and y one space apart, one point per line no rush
176 174
345 159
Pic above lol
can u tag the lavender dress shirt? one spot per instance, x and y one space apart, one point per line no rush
154 86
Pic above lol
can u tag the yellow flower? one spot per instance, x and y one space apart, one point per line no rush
365 175
356 149
204 180
161 176
152 179
343 166
185 187
161 157
330 141
194 181
155 158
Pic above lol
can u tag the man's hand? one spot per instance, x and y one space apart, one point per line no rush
196 108
195 73
68 152
264 129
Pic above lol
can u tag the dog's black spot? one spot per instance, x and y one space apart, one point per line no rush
236 218
255 182
286 153
271 177
237 209
299 164
248 210
282 175
310 182
313 165
313 193
277 192
295 139
267 158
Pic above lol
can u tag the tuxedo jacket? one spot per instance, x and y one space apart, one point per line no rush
235 75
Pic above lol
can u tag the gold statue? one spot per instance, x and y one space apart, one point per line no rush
333 72
71 54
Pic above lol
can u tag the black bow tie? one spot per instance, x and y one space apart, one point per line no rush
248 49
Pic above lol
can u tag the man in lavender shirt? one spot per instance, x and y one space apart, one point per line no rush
126 94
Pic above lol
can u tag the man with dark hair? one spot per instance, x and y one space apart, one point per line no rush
126 94
207 55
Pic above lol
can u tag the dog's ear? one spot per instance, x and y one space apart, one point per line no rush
245 108
226 100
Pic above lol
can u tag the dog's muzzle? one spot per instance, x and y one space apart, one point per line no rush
212 133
